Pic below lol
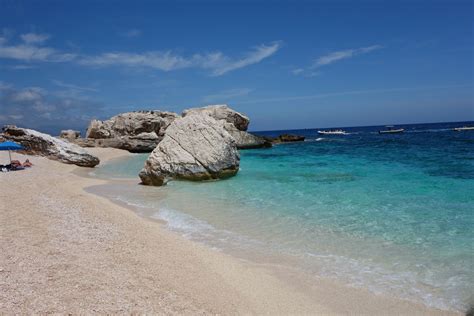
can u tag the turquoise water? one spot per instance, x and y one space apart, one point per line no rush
392 213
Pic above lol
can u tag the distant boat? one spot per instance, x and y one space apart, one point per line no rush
464 128
333 132
392 130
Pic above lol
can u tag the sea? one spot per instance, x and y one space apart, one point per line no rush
390 213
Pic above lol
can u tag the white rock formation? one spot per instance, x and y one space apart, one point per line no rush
235 123
138 131
37 143
195 147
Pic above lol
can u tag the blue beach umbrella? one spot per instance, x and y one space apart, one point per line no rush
10 146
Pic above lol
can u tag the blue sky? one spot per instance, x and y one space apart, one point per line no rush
284 64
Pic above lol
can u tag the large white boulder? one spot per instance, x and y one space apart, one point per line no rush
222 112
37 143
195 147
235 124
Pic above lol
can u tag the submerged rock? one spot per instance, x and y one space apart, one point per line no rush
138 131
235 124
195 147
37 143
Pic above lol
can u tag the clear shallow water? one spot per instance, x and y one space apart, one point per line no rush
393 213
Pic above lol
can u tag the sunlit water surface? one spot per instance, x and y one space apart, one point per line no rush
392 213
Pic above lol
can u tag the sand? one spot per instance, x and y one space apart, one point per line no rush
64 250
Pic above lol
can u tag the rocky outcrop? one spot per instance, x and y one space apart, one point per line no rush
138 131
285 138
245 140
195 147
69 134
142 143
235 124
37 143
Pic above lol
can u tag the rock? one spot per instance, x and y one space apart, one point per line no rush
37 143
134 144
195 147
222 112
69 134
245 140
235 123
286 138
138 131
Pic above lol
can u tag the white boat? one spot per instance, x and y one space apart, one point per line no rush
464 128
391 130
333 132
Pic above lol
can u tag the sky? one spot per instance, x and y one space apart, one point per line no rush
285 64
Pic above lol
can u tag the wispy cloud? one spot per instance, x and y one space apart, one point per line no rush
73 86
217 62
131 33
333 58
343 54
31 50
36 107
165 61
297 71
227 95
221 64
34 38
21 67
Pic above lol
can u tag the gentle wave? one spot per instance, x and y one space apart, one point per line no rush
353 272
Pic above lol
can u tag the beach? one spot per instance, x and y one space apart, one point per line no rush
68 251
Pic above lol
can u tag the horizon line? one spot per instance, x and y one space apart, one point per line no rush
355 126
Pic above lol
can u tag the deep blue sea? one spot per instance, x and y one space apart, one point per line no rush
391 213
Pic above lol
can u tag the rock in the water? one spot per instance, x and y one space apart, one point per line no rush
285 138
37 143
245 140
195 147
235 124
138 131
69 134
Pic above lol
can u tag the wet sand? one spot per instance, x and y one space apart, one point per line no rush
64 250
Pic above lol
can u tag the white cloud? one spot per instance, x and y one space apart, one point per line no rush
31 50
227 95
38 108
343 54
217 62
27 95
159 60
4 86
221 64
332 58
73 86
34 38
297 71
21 67
131 33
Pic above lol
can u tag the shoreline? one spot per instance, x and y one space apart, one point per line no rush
83 245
